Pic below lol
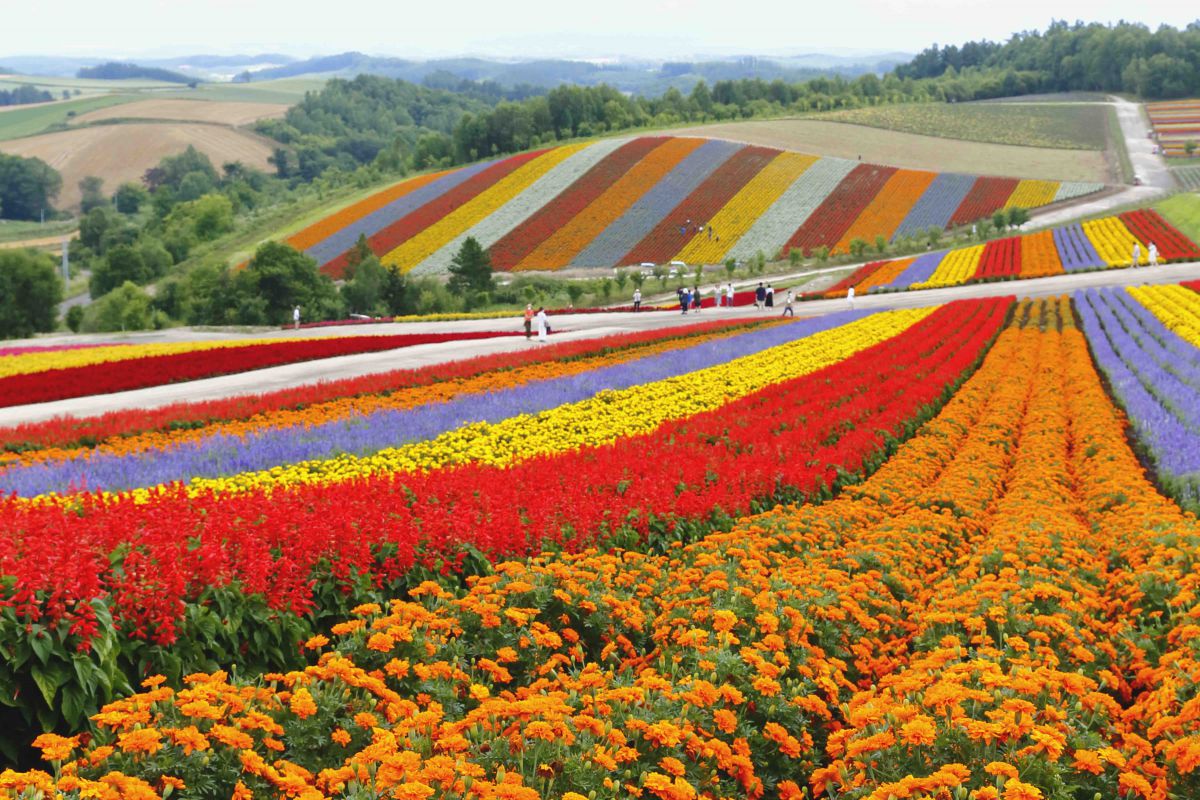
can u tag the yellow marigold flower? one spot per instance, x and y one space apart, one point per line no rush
55 747
479 692
302 704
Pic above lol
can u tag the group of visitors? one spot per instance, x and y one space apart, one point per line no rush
700 228
536 319
1151 254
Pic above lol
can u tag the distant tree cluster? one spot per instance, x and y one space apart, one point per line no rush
28 187
118 71
1126 57
23 95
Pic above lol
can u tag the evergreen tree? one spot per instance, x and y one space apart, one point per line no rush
471 269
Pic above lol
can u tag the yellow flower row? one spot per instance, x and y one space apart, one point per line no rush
600 420
956 268
26 363
430 240
1113 242
1032 193
1177 307
745 207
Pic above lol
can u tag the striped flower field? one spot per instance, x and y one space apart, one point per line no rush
934 553
1104 243
620 202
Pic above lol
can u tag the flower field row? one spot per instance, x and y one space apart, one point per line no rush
1147 341
134 371
360 436
1004 610
178 419
620 202
33 360
1096 244
1175 124
310 549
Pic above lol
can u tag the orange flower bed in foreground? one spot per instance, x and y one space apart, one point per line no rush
1005 610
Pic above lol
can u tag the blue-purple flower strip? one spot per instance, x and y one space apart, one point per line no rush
937 204
1075 250
644 215
1161 407
224 455
920 270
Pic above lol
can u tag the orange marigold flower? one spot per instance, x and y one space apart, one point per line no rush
173 782
919 730
1001 768
365 719
302 704
789 790
154 680
725 720
1133 782
366 609
479 692
142 740
380 643
189 738
666 789
231 737
1088 761
986 793
724 620
316 642
768 687
240 792
1016 790
55 747
672 766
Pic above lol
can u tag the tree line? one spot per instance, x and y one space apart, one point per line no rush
24 95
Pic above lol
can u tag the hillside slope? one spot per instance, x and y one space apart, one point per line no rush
625 201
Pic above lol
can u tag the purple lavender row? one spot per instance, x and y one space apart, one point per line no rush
937 205
920 270
1169 350
225 454
1140 384
644 215
1075 250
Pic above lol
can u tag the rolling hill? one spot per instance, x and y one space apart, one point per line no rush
623 201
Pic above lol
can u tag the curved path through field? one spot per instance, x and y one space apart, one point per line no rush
568 327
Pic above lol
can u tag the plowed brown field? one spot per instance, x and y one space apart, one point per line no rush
119 153
220 113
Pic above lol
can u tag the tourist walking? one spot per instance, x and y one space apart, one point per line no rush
760 296
696 300
296 317
729 294
685 299
1153 253
850 296
787 304
1137 253
770 296
543 324
637 299
528 321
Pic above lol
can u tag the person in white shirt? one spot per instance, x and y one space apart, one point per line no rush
729 294
637 299
1137 253
1153 253
296 317
787 304
850 296
543 324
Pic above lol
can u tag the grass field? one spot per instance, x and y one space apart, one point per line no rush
1072 127
912 151
20 121
1183 211
1188 177
208 111
56 85
119 153
19 231
285 90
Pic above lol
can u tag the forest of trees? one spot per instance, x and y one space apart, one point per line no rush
116 71
24 95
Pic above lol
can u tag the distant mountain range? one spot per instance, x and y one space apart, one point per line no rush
639 76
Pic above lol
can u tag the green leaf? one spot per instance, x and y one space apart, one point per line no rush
49 678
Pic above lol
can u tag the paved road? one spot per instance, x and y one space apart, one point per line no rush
581 326
1155 174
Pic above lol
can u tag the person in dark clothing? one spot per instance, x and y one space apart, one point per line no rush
760 296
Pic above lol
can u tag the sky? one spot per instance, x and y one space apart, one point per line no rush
538 28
